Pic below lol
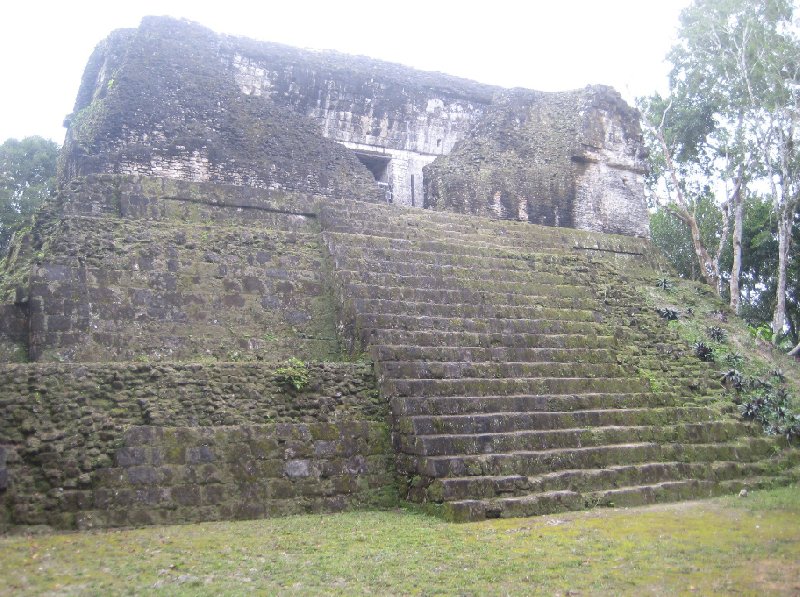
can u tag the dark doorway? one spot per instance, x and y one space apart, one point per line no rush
377 164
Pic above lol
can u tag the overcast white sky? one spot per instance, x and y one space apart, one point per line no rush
547 45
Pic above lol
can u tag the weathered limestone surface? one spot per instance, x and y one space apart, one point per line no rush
571 159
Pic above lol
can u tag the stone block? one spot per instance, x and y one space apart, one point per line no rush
127 457
199 454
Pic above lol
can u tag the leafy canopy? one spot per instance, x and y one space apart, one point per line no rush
27 177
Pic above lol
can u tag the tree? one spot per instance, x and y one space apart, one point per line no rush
27 177
727 128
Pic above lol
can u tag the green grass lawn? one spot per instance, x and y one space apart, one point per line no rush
741 546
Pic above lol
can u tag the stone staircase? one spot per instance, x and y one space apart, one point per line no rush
501 348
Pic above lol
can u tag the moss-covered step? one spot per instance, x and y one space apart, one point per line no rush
537 462
551 298
498 422
507 369
583 480
573 276
520 386
472 311
475 405
527 440
406 352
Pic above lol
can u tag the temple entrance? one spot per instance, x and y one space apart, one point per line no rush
378 165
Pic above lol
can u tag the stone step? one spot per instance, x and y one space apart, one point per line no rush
629 496
568 274
586 480
523 234
455 247
543 420
474 406
559 287
369 322
407 352
538 462
495 370
450 310
434 338
504 260
506 387
552 298
525 441
562 501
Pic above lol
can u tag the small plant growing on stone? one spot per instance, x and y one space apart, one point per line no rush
294 373
664 284
703 352
716 333
733 379
667 313
733 360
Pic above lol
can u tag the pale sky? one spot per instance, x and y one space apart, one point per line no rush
548 45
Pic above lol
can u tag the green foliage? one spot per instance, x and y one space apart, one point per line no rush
294 373
664 284
716 333
772 408
27 178
703 352
667 313
672 235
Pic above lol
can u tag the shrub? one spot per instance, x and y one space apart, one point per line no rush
294 373
703 352
667 313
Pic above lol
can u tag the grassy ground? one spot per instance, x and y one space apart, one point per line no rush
741 546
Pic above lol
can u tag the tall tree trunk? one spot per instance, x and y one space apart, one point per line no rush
736 268
784 239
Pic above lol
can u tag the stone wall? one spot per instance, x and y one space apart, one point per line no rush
571 159
156 268
107 445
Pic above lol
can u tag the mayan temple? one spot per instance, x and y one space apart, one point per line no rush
277 281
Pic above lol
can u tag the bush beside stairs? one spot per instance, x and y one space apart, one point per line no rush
524 372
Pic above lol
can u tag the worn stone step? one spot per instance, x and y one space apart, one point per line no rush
548 439
450 310
580 480
554 287
476 405
572 272
433 338
457 370
531 505
519 386
543 420
537 462
524 234
472 354
368 322
629 496
456 247
504 260
551 298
